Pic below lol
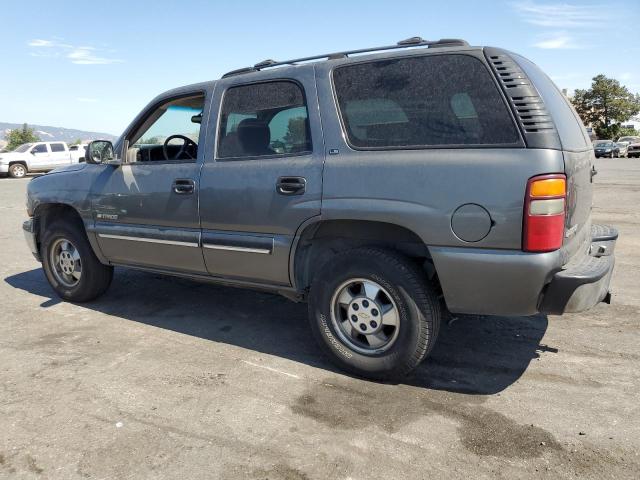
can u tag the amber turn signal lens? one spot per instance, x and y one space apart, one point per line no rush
548 187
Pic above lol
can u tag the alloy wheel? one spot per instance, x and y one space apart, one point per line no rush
365 316
65 262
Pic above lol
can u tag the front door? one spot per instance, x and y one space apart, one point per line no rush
41 158
266 177
146 210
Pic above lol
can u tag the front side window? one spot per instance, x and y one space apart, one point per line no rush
57 147
264 119
42 148
170 133
422 101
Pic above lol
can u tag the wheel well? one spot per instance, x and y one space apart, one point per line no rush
47 213
21 162
320 241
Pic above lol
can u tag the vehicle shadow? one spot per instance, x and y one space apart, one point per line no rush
474 354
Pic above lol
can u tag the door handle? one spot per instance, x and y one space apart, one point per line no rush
183 186
291 185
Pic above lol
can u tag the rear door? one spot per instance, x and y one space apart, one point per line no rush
265 177
59 154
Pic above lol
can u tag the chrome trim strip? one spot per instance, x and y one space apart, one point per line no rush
148 240
263 251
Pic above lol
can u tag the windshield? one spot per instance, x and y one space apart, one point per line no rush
629 139
604 144
23 148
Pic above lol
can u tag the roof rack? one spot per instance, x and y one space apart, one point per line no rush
407 43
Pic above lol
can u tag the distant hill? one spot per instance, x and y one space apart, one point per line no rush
46 134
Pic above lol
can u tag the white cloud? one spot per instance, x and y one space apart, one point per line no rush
561 15
559 40
79 55
40 43
86 56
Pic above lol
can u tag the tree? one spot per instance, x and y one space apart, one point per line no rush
605 105
628 132
296 132
149 141
17 137
77 142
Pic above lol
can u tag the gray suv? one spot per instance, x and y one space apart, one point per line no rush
382 186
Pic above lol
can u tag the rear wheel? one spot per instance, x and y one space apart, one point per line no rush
17 170
373 313
70 265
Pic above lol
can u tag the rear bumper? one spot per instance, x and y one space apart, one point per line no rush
585 283
28 228
508 282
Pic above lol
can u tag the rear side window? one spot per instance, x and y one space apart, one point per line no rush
57 147
423 101
264 119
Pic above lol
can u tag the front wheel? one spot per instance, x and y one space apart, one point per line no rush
17 170
373 313
71 267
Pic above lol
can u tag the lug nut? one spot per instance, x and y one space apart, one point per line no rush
373 324
356 306
354 318
365 303
374 312
363 327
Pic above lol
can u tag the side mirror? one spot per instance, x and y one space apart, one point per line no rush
99 151
32 152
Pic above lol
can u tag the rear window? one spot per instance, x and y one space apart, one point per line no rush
423 101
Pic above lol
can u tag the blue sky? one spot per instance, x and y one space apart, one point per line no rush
95 65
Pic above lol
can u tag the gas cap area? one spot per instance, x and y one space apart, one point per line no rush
471 222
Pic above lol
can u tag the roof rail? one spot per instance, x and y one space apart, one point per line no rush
407 43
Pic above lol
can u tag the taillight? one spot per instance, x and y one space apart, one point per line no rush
544 211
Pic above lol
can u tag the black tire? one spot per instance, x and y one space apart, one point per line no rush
95 277
17 170
406 284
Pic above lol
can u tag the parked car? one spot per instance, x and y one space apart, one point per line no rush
382 186
605 148
633 150
77 152
631 139
36 157
623 149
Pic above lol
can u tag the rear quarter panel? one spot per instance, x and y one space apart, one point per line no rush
421 189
